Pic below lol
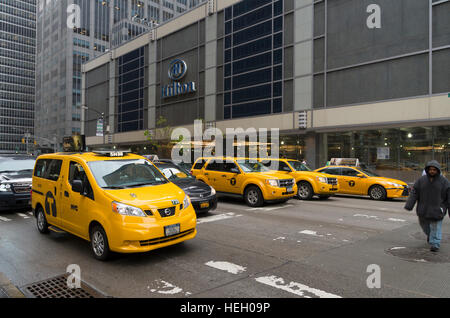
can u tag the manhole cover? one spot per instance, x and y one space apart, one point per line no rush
419 255
421 236
57 288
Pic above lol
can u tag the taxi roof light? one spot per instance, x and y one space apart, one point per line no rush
113 152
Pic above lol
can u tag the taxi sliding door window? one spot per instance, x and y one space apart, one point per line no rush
76 172
48 169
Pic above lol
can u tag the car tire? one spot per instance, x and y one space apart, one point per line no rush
253 197
99 243
304 191
41 221
377 193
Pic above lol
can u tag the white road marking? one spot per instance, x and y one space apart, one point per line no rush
4 219
218 217
270 209
227 267
397 248
30 213
396 220
167 288
312 233
23 215
294 288
366 216
281 238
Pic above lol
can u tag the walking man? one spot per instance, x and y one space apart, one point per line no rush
432 194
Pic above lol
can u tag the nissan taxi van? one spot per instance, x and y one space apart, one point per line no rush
309 183
243 177
118 201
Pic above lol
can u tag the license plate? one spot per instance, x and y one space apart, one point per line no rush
204 205
289 189
172 229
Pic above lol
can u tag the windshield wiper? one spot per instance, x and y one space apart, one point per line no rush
144 184
113 187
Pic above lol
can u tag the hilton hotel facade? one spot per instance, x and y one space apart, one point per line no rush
372 77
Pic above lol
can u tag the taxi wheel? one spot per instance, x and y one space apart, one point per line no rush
99 243
253 197
41 221
378 193
304 191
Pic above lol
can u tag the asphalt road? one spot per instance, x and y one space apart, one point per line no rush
298 249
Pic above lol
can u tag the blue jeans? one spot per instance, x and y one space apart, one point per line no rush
433 230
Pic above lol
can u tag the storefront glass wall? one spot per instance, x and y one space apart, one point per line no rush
398 153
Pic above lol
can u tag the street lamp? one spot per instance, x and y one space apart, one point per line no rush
102 117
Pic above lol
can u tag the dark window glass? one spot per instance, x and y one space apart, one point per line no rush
252 63
277 40
228 42
277 105
227 84
248 5
252 33
252 78
54 170
278 7
252 109
278 24
228 13
349 172
332 171
252 93
214 166
199 164
228 27
227 56
277 56
227 69
252 48
277 73
227 166
252 18
41 167
227 98
227 112
277 89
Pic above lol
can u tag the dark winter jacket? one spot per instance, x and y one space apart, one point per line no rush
432 197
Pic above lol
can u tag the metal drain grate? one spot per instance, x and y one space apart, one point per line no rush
57 288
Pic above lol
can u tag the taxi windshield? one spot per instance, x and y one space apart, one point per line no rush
252 166
174 173
122 174
298 166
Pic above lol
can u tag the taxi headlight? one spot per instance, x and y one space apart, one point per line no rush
272 182
322 179
213 191
186 202
128 210
5 187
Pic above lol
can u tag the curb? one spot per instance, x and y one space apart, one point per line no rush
7 288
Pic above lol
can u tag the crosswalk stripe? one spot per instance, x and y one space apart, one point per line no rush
23 215
4 219
218 217
227 267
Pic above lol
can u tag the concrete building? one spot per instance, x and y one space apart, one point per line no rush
61 50
17 72
372 80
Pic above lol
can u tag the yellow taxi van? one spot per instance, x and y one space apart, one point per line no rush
243 177
358 181
118 201
309 183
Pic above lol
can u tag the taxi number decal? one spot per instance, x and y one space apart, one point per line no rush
233 181
352 183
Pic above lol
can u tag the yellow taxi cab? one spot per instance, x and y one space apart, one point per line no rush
309 183
120 202
358 181
246 178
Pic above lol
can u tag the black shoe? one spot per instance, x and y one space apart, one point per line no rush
434 249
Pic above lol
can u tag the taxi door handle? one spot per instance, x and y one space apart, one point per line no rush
66 194
224 176
206 174
55 190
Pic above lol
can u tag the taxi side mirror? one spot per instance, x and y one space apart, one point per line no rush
77 186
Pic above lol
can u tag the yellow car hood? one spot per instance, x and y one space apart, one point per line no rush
159 196
384 180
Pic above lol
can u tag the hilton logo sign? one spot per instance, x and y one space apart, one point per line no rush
177 70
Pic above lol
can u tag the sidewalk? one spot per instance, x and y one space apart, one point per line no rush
7 289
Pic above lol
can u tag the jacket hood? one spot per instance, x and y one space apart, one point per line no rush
435 164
